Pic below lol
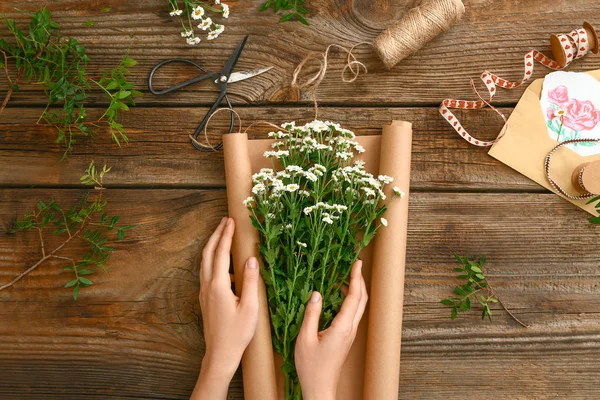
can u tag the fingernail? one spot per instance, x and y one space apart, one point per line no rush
223 220
316 296
252 263
229 221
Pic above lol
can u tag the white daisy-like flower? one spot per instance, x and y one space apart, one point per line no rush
175 13
258 188
294 169
328 220
302 244
225 10
304 193
385 179
399 192
193 40
271 216
384 221
308 210
368 191
310 176
197 12
289 125
359 149
292 187
288 227
217 1
248 201
187 33
205 24
212 35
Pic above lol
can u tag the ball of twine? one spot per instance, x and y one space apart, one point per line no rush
417 27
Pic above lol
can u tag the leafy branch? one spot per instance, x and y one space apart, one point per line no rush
476 288
294 10
85 222
595 220
59 65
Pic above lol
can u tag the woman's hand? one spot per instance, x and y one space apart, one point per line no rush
320 356
229 321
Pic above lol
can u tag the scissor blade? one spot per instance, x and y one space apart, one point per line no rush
230 64
243 75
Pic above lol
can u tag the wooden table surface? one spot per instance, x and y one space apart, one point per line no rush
137 333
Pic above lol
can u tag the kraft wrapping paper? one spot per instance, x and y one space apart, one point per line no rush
371 371
524 143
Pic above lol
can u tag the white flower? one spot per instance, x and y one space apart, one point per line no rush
399 192
328 220
385 179
217 1
205 24
294 169
308 210
225 11
292 187
384 221
258 188
289 125
212 35
175 13
359 149
288 226
301 244
271 216
368 191
304 193
249 201
187 33
193 40
198 12
310 176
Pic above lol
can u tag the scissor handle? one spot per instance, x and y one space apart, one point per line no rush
212 75
202 126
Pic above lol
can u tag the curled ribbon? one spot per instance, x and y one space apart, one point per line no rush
565 47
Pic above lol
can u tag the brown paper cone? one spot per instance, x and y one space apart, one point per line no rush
382 364
257 363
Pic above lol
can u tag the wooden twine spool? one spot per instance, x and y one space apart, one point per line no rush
586 177
416 28
564 55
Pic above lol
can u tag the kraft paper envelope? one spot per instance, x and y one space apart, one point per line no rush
524 143
371 371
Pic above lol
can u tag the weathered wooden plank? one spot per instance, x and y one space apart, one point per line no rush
160 153
137 332
492 37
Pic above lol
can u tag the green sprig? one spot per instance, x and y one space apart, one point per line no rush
293 10
595 220
59 65
475 289
85 222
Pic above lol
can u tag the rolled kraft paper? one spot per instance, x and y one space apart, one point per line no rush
416 28
257 363
382 364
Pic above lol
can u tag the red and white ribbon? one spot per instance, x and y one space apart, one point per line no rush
575 45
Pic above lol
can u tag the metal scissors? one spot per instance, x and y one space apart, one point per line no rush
221 79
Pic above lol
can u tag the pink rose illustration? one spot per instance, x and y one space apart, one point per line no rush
550 113
581 115
558 96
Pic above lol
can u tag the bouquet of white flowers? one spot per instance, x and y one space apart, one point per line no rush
315 210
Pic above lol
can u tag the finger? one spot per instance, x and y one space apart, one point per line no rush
209 251
364 298
312 314
345 317
220 270
249 297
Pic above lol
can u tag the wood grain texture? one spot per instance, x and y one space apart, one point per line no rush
492 35
160 152
137 332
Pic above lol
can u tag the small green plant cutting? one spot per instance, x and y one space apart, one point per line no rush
595 220
293 10
85 222
476 289
40 55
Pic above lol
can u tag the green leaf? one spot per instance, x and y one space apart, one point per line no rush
475 268
123 94
458 290
88 23
105 10
447 302
85 271
85 281
302 19
76 292
129 62
71 283
453 313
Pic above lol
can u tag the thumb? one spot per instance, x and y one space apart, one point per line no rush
312 314
249 297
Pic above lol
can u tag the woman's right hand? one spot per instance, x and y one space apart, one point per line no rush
320 356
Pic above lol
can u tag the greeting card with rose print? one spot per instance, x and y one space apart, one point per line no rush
571 103
562 106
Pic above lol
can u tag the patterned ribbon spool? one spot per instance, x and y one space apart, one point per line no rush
578 183
565 47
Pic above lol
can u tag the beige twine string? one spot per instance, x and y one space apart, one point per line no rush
312 83
417 27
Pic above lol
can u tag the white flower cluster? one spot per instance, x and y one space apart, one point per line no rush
199 17
328 212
